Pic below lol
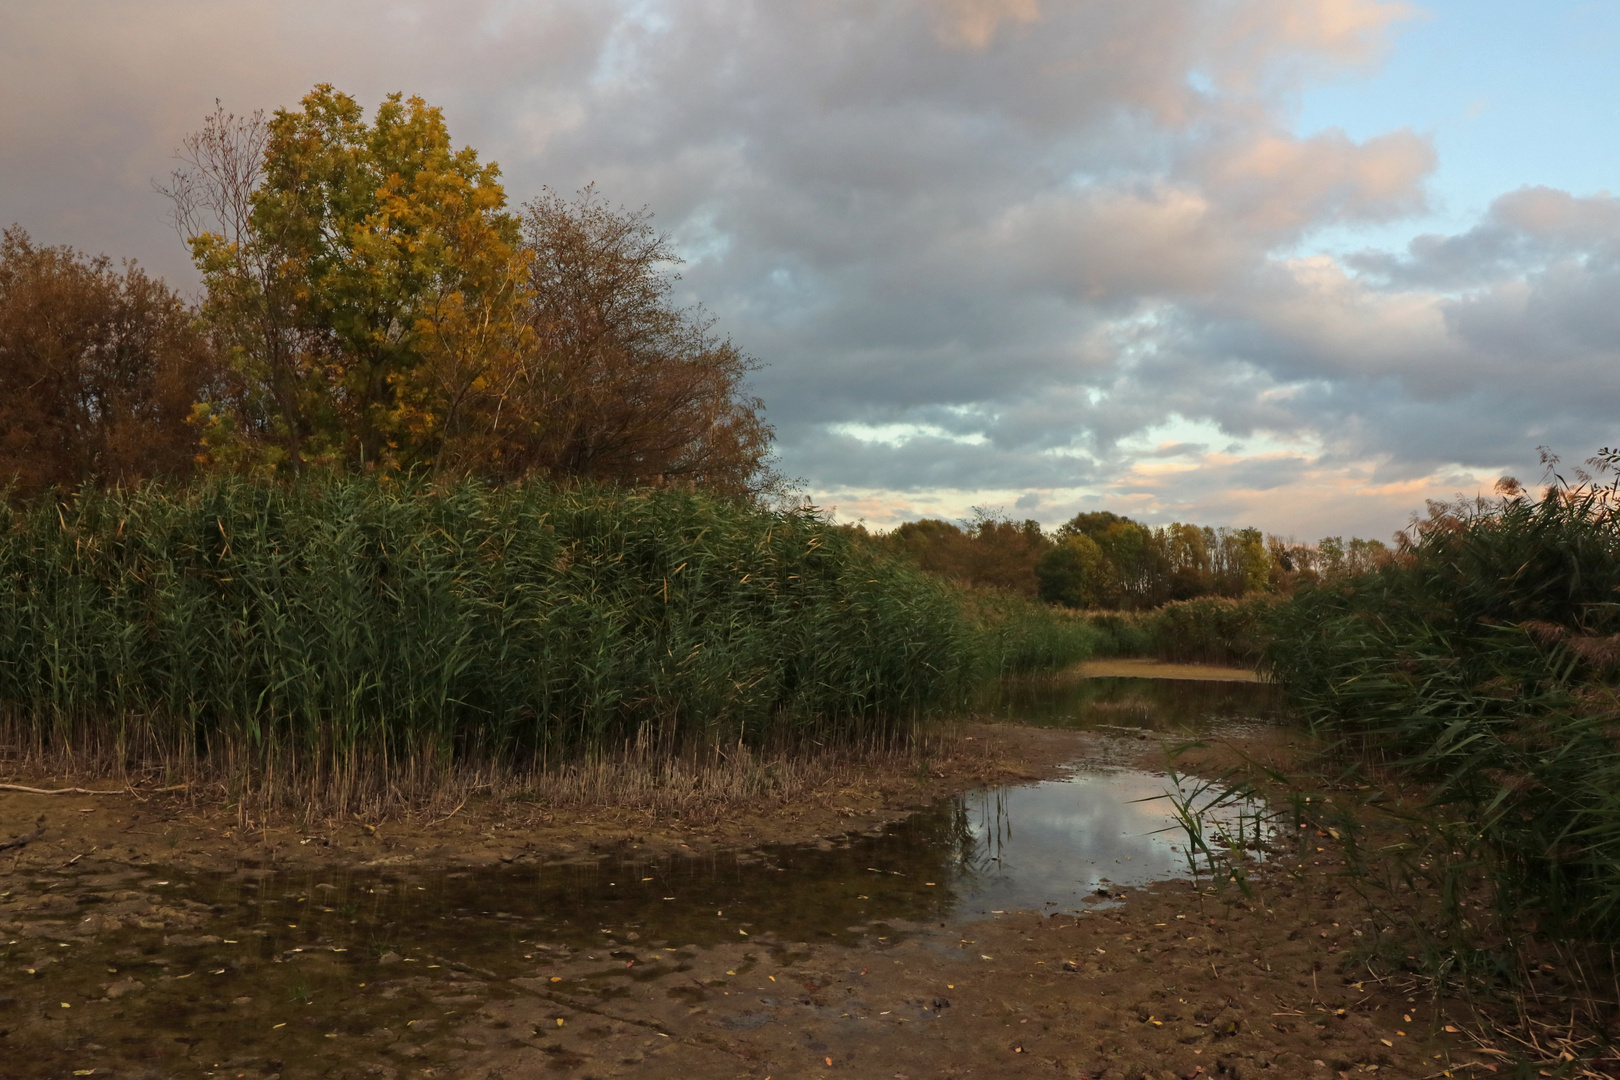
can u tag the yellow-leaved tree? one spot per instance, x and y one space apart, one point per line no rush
364 281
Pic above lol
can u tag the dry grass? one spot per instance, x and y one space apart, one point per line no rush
694 786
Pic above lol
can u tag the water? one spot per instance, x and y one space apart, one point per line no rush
1052 846
312 940
1191 705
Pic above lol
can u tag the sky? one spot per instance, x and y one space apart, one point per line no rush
1294 264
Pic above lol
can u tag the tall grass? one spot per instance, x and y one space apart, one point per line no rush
1012 635
1207 629
1481 662
346 630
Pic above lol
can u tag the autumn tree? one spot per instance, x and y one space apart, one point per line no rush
365 280
99 367
1105 560
620 384
986 551
379 306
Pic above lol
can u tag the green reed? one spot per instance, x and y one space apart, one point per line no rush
1482 662
1012 635
1206 629
346 623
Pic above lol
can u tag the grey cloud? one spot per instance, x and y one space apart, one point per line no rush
1523 230
1014 224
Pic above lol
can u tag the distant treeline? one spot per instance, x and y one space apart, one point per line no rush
1101 560
370 303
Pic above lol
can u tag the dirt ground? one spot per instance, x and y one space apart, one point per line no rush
1158 669
107 973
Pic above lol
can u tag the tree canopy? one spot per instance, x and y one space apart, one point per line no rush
99 368
371 302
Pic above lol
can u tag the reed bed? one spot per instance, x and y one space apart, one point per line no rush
1481 663
1203 630
1012 635
348 640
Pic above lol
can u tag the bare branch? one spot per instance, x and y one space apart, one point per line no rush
221 164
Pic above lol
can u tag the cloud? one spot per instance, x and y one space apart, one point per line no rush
1046 252
973 23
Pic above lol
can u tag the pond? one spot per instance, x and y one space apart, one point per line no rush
1193 706
313 939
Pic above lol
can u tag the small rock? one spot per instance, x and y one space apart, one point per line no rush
941 1003
389 957
1070 965
124 986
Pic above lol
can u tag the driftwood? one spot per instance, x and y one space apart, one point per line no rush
26 838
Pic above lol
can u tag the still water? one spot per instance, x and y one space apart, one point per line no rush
1042 847
305 937
1156 705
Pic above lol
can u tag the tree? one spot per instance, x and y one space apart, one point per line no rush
987 551
379 307
620 385
263 414
98 370
1076 573
365 278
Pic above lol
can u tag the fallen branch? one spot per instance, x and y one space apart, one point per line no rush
85 791
450 815
26 838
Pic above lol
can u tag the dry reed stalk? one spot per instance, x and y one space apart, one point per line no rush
696 785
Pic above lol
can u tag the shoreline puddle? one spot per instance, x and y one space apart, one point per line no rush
268 966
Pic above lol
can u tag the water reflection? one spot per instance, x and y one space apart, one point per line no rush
1051 846
1042 847
1067 701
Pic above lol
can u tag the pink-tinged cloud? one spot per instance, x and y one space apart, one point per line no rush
1020 238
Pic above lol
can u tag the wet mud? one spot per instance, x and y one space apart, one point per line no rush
1015 930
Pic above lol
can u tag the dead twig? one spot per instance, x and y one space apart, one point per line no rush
26 838
450 815
87 791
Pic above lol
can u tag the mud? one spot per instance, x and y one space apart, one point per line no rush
151 939
1129 668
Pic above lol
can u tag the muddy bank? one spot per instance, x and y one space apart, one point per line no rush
155 939
195 830
1159 669
1168 984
